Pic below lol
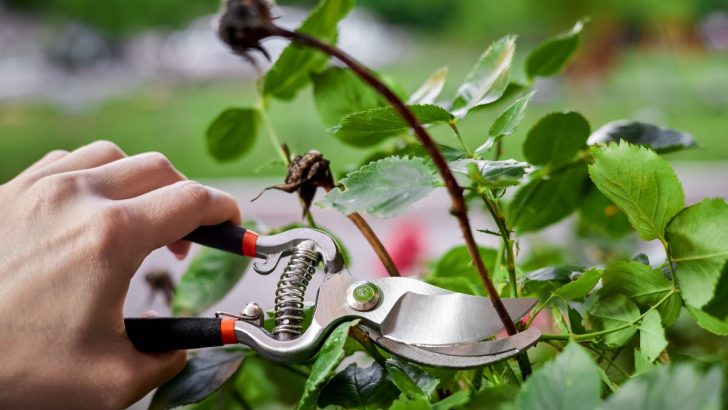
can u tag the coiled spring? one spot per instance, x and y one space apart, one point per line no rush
291 289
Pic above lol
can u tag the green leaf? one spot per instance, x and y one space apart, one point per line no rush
571 381
598 213
383 188
581 286
641 363
543 202
359 387
338 92
409 378
641 184
492 174
658 139
453 401
329 356
642 284
203 374
499 397
457 264
488 79
556 139
209 277
370 127
414 150
698 242
709 322
233 133
508 120
405 402
612 313
652 335
430 90
292 70
543 282
551 56
676 387
282 387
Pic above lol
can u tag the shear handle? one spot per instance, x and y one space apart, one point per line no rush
226 237
164 334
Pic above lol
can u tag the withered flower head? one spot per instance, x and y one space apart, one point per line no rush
244 23
306 173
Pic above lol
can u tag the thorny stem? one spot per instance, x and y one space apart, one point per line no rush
458 206
373 240
363 339
500 220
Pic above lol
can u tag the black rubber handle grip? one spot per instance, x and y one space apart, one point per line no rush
164 334
226 237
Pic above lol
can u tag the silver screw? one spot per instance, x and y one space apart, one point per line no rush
363 296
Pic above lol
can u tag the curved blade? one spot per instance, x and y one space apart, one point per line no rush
447 319
462 356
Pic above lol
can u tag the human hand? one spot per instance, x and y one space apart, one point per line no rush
74 227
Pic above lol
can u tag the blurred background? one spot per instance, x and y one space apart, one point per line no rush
151 75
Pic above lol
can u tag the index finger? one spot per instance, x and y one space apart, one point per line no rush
170 213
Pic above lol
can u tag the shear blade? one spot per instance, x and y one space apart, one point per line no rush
448 318
460 356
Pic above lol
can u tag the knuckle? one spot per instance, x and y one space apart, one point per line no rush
107 149
59 187
158 161
194 192
110 224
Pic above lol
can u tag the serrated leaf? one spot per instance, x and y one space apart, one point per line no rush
709 322
641 363
570 381
499 397
414 150
641 184
493 174
383 188
556 139
410 378
581 286
457 265
551 56
292 70
488 79
543 202
359 387
612 313
675 387
657 138
454 401
430 89
329 356
203 374
209 277
599 214
233 133
508 120
652 335
698 242
367 128
338 92
405 402
544 281
642 284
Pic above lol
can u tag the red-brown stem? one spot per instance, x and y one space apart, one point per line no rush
458 206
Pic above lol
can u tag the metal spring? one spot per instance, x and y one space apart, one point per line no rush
291 289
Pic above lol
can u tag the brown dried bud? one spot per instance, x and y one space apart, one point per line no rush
244 23
306 173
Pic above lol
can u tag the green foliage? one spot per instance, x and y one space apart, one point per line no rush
359 387
430 89
291 72
618 314
652 336
322 370
488 79
556 139
367 128
204 373
551 56
455 271
410 379
675 387
581 286
233 133
338 93
211 274
508 120
642 185
658 139
492 174
571 381
383 188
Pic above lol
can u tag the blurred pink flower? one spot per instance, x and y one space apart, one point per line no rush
406 247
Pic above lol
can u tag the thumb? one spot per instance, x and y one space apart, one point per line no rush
153 370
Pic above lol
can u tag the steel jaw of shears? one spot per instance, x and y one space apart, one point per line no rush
405 316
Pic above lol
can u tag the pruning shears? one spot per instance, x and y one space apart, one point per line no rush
407 317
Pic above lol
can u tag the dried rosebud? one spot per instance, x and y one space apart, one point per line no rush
306 173
244 23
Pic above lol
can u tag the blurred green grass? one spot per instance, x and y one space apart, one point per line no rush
686 92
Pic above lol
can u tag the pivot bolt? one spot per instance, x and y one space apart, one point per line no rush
363 296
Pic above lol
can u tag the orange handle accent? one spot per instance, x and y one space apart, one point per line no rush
250 239
227 332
